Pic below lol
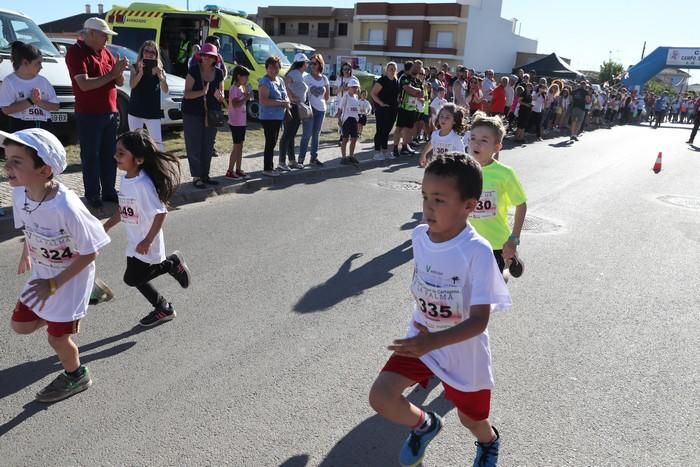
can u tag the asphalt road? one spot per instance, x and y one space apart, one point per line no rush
298 290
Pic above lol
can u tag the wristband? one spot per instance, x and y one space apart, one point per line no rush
515 239
52 286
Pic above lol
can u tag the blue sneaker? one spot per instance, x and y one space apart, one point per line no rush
487 453
413 448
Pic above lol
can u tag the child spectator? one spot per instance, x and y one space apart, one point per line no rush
238 97
25 96
365 109
348 118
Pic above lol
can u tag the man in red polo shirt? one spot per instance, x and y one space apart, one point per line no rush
95 73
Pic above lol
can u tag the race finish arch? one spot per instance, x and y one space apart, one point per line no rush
662 57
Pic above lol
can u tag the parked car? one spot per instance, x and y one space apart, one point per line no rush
15 26
170 103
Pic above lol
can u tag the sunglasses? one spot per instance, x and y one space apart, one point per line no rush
314 63
347 69
150 51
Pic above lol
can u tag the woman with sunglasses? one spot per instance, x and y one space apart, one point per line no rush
319 92
147 81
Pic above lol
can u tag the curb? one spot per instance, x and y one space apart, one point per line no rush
187 194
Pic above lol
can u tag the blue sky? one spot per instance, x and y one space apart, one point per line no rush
588 31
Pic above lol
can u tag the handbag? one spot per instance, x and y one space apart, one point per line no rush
304 110
214 118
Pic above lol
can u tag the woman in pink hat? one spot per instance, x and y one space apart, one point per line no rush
204 93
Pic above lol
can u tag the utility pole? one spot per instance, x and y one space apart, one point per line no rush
644 48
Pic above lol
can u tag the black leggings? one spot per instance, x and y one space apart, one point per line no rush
271 129
536 120
139 274
385 118
696 124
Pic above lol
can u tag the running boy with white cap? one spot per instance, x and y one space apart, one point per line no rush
62 239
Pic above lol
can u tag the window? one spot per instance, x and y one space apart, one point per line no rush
261 48
303 29
133 38
269 26
232 51
323 29
283 29
404 38
343 29
376 37
17 28
445 39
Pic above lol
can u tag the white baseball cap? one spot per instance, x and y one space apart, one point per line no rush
301 57
46 145
353 82
98 24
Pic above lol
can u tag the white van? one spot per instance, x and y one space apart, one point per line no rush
15 26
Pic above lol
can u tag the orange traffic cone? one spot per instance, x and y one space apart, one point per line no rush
657 164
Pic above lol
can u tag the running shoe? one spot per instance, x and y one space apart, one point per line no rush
64 386
270 173
413 448
353 160
242 175
487 453
158 315
345 160
317 163
378 156
296 165
232 174
100 292
395 154
180 271
283 168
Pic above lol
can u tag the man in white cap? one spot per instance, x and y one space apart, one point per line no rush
95 74
61 243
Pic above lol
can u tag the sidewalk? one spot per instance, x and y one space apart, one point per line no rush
329 154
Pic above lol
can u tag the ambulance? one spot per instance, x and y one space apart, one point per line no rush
242 41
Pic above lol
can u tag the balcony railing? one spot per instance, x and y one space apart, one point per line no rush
374 42
440 45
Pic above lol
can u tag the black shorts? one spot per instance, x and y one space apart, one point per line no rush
349 129
406 118
425 117
362 120
498 254
238 134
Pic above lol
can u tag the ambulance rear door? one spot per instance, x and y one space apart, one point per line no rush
134 27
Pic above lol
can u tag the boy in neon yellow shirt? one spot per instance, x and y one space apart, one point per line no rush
501 190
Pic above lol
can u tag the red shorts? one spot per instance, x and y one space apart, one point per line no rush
23 314
475 405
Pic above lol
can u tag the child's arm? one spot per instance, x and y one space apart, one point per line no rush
426 341
41 289
424 154
112 221
510 248
145 244
25 262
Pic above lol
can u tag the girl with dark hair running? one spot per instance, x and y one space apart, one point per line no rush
151 179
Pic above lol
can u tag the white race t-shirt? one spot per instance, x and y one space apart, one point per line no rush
466 139
317 91
138 206
339 85
510 94
56 234
14 89
448 279
349 106
365 107
436 105
537 102
446 144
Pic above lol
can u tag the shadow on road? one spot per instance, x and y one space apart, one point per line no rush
346 283
25 374
562 144
376 441
694 147
410 225
297 461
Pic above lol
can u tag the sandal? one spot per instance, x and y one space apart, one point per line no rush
199 184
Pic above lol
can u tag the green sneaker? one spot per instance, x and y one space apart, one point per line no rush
100 292
64 386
